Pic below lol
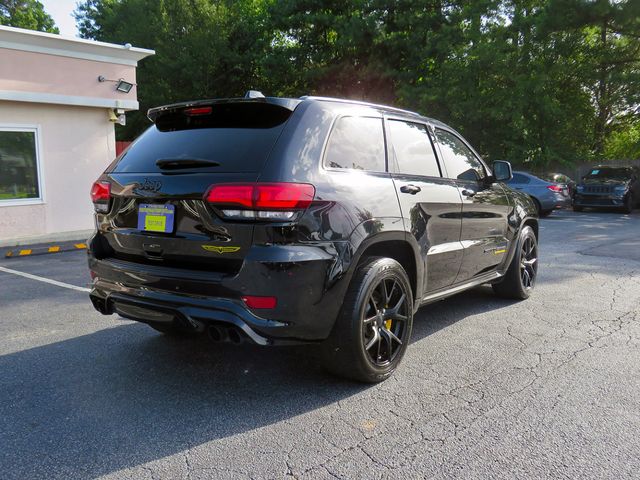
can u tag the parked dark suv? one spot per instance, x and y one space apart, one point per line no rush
608 187
303 220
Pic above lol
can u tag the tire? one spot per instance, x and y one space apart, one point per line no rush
577 208
546 213
519 281
536 202
628 204
372 331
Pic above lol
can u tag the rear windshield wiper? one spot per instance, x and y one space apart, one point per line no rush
177 163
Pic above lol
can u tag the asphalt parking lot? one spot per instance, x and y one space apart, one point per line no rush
549 387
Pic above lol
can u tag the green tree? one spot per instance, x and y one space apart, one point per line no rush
204 49
542 83
28 14
609 52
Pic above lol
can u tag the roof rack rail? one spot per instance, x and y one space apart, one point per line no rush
359 102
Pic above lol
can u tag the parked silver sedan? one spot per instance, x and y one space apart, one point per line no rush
547 196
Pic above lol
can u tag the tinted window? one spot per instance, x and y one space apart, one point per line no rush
18 166
412 149
356 143
519 178
460 161
610 173
239 137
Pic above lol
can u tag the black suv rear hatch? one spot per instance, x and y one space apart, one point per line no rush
157 213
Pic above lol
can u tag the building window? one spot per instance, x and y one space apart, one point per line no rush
19 166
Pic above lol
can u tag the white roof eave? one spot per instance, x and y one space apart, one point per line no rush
53 44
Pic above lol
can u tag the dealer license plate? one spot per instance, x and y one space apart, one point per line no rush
156 218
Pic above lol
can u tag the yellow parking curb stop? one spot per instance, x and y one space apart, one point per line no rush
23 252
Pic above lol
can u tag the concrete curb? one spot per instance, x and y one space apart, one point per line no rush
76 236
44 249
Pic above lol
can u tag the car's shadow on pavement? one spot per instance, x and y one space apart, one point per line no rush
124 396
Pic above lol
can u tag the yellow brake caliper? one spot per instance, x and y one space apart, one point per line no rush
387 323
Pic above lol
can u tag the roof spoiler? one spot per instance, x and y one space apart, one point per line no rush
251 96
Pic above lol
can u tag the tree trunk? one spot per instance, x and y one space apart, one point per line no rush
602 97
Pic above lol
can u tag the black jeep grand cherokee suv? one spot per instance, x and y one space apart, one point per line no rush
303 220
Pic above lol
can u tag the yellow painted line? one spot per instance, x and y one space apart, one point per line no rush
53 249
80 245
24 252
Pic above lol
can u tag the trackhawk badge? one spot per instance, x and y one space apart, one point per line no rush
217 249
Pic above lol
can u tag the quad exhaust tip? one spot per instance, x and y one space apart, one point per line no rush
222 334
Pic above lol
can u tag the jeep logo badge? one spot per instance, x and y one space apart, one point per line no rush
149 185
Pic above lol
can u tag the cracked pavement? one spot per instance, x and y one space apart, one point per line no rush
548 387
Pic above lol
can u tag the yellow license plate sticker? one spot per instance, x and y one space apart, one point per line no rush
155 223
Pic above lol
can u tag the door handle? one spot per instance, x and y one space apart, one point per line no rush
412 189
468 193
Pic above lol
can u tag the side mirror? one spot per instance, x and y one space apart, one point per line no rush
502 171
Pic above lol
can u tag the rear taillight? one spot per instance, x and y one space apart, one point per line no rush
261 201
101 196
555 188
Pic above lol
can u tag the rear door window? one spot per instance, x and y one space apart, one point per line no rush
356 143
460 161
236 137
412 149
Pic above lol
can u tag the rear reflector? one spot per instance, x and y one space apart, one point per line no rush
267 201
100 196
253 301
195 111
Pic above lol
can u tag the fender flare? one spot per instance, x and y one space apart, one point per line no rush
362 239
515 244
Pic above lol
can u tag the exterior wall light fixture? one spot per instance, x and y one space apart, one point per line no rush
121 84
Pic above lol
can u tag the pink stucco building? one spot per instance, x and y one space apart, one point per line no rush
57 128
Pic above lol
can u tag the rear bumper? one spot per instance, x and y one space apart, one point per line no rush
562 201
304 279
551 201
184 313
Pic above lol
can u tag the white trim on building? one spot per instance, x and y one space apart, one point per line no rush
58 99
52 44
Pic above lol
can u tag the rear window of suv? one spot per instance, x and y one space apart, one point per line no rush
237 137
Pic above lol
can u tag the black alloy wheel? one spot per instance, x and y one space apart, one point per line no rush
528 263
372 331
385 322
520 278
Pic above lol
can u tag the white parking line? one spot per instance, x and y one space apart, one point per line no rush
45 280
